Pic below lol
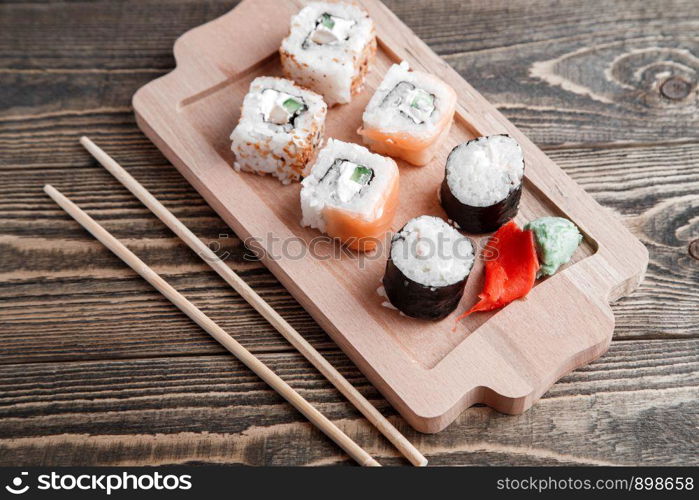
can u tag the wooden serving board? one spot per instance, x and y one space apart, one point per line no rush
429 372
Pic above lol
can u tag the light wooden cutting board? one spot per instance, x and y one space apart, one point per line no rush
430 373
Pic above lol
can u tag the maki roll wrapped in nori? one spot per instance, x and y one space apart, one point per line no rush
427 269
483 183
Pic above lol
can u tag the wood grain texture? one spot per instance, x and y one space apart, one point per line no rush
637 405
53 262
429 371
68 69
565 73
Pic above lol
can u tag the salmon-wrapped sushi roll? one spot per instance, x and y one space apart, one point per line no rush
351 194
409 115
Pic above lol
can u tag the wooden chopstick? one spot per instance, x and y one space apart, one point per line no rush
284 328
245 356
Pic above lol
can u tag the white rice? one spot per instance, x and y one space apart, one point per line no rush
266 148
381 292
431 252
328 68
484 171
316 194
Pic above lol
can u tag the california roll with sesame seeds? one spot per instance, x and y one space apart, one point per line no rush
329 49
281 126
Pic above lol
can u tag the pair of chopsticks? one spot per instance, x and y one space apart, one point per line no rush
225 339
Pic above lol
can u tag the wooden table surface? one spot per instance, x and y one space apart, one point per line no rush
97 368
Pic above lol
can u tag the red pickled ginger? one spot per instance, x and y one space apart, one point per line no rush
510 272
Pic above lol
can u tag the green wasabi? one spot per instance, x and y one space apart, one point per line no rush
556 240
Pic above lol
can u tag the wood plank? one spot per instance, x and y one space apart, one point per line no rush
578 73
567 72
639 403
98 36
53 263
51 92
188 114
656 191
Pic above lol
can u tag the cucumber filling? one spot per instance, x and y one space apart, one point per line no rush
281 108
330 30
292 105
347 179
361 175
327 21
412 102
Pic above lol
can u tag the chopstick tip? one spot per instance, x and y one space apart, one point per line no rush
85 140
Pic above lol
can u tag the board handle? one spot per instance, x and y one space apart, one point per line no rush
563 324
219 52
569 323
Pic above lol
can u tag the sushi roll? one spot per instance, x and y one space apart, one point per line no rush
483 183
280 128
329 49
351 194
427 269
409 115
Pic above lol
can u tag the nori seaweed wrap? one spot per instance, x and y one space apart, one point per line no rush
428 267
482 183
